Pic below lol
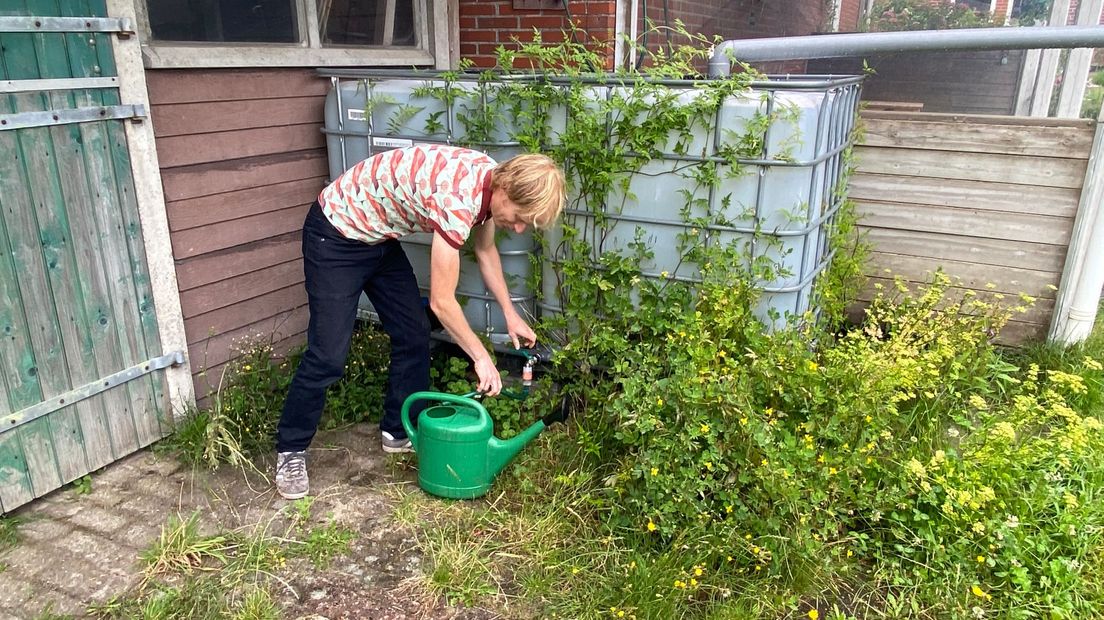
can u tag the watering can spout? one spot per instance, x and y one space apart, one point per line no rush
501 452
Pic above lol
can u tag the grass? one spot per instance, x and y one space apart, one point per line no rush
189 574
9 532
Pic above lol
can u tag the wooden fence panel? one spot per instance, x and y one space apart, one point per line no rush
989 200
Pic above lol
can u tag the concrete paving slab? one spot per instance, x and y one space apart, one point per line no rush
81 549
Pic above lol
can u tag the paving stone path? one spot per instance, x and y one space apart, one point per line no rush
76 549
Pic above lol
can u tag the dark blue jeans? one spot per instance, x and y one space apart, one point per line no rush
337 270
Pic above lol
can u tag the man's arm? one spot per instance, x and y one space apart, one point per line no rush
444 274
490 267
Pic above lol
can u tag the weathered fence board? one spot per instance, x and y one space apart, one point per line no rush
1000 252
948 132
990 200
995 168
973 222
958 193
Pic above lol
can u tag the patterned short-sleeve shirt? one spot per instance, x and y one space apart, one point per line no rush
425 188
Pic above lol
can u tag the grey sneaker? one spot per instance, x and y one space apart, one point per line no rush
291 474
395 445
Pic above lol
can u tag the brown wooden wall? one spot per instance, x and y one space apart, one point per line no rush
991 200
242 158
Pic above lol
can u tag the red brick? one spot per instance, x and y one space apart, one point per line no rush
544 21
478 8
481 35
467 22
498 22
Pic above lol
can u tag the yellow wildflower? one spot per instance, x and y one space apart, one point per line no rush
978 592
981 559
651 525
655 471
705 428
813 614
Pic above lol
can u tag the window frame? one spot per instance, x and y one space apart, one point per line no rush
431 32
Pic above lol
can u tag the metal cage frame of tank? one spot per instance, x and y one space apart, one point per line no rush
835 121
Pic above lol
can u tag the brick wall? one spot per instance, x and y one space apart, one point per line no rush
486 24
849 15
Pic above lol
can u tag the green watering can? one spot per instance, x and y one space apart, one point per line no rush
458 454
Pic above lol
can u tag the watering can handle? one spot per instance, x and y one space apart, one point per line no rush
464 401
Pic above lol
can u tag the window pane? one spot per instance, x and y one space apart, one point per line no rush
367 22
230 21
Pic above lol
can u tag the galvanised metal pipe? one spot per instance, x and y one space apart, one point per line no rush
862 43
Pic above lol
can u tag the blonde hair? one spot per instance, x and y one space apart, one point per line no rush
535 184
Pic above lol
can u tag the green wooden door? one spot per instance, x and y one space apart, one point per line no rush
79 348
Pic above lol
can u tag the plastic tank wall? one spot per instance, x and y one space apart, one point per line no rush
778 205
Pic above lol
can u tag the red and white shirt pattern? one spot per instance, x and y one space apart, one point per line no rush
424 188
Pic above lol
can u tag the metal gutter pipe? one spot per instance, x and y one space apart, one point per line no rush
863 43
1083 276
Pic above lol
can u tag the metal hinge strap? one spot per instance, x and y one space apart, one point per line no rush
23 120
88 390
121 25
30 86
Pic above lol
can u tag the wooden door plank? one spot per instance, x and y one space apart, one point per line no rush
22 60
17 359
153 422
975 223
976 137
90 298
1045 171
966 194
43 175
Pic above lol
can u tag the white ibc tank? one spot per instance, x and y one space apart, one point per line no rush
776 204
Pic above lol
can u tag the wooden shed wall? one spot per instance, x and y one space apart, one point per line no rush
242 158
991 200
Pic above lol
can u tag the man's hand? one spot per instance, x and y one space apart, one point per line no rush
490 382
520 331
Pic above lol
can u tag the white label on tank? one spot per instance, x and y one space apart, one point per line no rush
356 115
392 143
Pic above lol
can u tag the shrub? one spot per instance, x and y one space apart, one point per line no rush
245 409
892 15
